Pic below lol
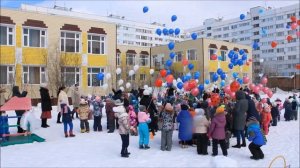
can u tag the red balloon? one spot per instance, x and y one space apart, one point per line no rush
247 63
264 100
251 86
294 26
227 89
185 62
163 73
213 57
293 18
270 93
298 66
264 80
289 38
234 86
169 79
186 86
274 44
232 95
250 60
192 84
298 22
246 79
298 34
158 82
215 99
260 86
265 90
256 89
195 92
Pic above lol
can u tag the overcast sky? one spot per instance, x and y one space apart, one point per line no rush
189 13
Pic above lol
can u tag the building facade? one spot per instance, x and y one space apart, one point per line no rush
263 26
198 52
59 50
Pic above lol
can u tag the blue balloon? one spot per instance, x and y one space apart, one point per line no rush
165 31
100 76
219 71
235 75
177 31
184 78
197 75
255 45
260 11
169 72
230 54
235 56
230 65
169 63
206 81
189 76
241 52
194 36
240 80
220 58
222 83
171 45
223 76
171 31
244 57
263 31
158 31
288 26
172 55
191 66
242 16
201 87
145 9
179 85
215 77
174 18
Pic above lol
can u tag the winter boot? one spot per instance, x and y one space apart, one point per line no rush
82 130
244 143
237 146
46 123
66 134
71 134
58 118
147 147
141 147
43 124
126 151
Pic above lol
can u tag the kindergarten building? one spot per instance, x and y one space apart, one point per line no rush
199 52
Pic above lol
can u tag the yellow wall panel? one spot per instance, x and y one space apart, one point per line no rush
84 42
224 66
19 36
96 60
84 77
35 56
71 59
18 75
7 54
212 66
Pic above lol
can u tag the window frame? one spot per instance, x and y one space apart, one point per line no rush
76 73
118 59
176 56
209 55
40 73
188 54
45 36
223 56
90 41
90 74
9 33
127 57
65 38
8 73
142 77
146 58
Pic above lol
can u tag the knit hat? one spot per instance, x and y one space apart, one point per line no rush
146 92
184 107
119 109
82 101
168 107
199 111
142 108
43 85
220 109
97 98
118 102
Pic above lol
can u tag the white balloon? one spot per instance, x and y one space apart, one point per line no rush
150 89
136 67
174 82
131 72
197 80
122 88
165 84
108 76
120 82
151 71
179 80
118 71
105 86
146 87
128 85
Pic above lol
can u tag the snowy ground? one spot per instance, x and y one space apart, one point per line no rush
99 149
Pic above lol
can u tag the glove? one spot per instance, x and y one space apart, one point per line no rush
148 121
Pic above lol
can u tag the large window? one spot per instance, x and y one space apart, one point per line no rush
70 42
192 54
70 76
7 35
34 75
178 56
223 55
118 59
144 60
92 77
211 51
142 77
130 59
130 78
33 37
6 74
96 44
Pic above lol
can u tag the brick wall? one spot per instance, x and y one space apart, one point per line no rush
284 83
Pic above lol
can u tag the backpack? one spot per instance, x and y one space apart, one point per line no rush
294 105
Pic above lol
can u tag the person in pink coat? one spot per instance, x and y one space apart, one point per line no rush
132 120
143 119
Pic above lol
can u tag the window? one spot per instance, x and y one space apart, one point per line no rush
279 25
208 28
70 75
208 34
118 59
233 26
225 35
130 59
144 60
256 40
211 76
256 18
142 77
7 35
70 42
6 74
92 77
256 33
293 40
223 55
292 49
278 34
96 44
270 50
130 78
291 32
225 28
34 75
256 25
290 14
280 50
191 54
279 17
178 56
34 37
292 57
211 51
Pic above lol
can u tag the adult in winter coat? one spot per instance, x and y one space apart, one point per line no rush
143 119
83 113
257 138
274 113
97 112
266 118
61 97
151 108
295 105
46 105
19 113
288 109
76 97
110 115
239 118
252 111
185 121
201 125
124 128
217 131
167 127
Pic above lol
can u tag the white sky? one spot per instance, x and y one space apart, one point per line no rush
190 13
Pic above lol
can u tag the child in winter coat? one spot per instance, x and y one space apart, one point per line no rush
143 119
266 118
133 120
257 138
274 113
97 112
201 125
167 127
67 119
217 131
185 121
83 112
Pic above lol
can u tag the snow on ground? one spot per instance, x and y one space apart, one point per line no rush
100 149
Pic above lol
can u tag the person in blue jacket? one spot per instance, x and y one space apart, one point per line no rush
185 121
256 136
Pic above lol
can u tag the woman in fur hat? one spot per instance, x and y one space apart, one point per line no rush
167 127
